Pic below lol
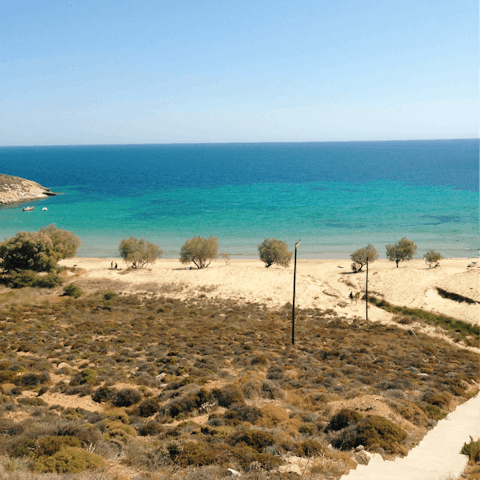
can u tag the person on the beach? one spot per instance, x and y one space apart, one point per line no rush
351 297
116 266
111 265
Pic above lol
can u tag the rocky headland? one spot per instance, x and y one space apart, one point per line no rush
18 190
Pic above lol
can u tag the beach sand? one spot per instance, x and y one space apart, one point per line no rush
324 284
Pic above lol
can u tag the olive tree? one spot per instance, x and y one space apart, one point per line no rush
38 251
403 250
65 243
139 253
199 250
359 257
274 252
432 258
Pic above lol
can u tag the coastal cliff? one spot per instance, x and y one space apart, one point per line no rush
18 190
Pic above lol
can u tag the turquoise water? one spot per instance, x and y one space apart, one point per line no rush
342 197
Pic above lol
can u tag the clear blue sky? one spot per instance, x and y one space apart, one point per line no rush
103 71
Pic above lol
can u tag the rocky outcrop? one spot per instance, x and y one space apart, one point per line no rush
18 190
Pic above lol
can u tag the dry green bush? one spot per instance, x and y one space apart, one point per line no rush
127 397
372 432
344 418
68 460
271 416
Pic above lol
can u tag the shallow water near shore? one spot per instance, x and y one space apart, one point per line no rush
335 197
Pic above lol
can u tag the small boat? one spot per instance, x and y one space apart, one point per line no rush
44 209
28 209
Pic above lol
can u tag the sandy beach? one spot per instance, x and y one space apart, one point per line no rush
324 284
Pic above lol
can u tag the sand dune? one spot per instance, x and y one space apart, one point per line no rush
324 284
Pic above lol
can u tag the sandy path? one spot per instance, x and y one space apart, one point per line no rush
436 457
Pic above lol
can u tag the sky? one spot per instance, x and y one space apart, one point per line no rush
201 71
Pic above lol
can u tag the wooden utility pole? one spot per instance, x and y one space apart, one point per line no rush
293 303
366 293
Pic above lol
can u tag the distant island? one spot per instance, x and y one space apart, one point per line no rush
18 190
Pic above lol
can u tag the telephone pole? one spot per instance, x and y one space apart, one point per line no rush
294 281
366 293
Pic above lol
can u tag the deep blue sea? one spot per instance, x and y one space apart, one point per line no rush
335 197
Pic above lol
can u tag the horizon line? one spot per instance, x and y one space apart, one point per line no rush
237 143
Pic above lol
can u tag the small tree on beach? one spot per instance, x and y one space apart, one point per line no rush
38 251
359 257
65 243
274 252
201 251
432 258
403 250
139 253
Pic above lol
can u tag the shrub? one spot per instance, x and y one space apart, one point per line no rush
308 448
117 431
259 360
273 252
139 253
29 278
271 390
88 376
151 428
271 416
403 250
22 279
187 403
200 251
343 419
228 395
258 439
432 258
51 280
378 431
50 445
441 400
38 251
109 295
127 397
242 413
149 407
432 411
472 449
373 432
359 257
72 290
68 460
33 379
102 394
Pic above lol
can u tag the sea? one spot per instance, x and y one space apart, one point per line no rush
333 196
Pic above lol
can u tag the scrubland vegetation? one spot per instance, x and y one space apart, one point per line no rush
110 386
456 329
